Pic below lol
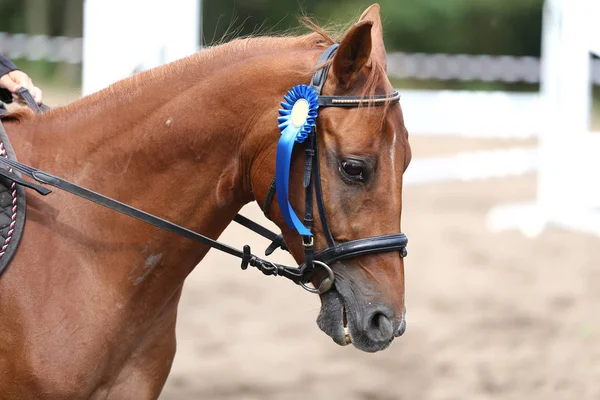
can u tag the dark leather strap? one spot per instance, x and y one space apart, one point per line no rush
26 95
319 196
17 179
320 76
308 178
276 239
317 83
308 199
29 100
269 198
266 267
371 245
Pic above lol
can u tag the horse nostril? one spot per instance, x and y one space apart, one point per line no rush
401 328
381 326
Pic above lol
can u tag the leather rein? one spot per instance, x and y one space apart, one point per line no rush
302 274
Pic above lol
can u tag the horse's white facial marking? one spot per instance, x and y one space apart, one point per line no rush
168 122
151 262
393 151
393 159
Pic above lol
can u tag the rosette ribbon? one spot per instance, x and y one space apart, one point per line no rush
297 119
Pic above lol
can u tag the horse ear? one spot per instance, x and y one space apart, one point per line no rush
373 14
353 52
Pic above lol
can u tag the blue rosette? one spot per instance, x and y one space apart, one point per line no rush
297 119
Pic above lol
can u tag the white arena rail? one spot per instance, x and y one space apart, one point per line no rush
40 47
472 114
472 166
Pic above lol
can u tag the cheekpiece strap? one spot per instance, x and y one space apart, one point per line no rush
318 80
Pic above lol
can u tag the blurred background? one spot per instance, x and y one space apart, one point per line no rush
494 312
511 27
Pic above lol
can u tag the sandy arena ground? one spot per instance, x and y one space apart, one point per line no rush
490 316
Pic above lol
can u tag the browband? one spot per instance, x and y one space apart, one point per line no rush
355 101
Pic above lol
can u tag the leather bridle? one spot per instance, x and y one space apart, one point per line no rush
312 183
301 275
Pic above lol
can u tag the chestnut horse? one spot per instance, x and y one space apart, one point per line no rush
89 303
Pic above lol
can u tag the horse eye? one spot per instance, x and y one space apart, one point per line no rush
353 170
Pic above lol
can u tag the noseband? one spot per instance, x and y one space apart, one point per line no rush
301 275
312 183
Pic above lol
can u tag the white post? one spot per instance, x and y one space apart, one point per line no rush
122 37
568 194
594 26
566 96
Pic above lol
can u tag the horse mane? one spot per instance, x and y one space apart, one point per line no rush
255 44
19 113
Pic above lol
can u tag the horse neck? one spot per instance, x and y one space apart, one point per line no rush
182 151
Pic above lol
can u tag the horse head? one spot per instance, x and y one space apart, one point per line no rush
363 152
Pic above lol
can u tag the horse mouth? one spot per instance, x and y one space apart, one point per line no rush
347 337
333 319
339 322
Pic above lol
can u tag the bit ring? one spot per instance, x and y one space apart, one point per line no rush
326 283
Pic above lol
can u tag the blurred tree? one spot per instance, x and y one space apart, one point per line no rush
38 17
459 26
12 16
72 14
226 18
451 26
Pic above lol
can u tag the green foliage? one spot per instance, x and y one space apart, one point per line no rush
13 16
511 27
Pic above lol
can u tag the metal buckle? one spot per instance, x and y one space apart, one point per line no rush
310 243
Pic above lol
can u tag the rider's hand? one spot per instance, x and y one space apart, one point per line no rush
16 80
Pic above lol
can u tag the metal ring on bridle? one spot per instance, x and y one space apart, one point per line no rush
326 283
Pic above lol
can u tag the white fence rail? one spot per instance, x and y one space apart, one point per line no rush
40 47
466 167
464 67
472 114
